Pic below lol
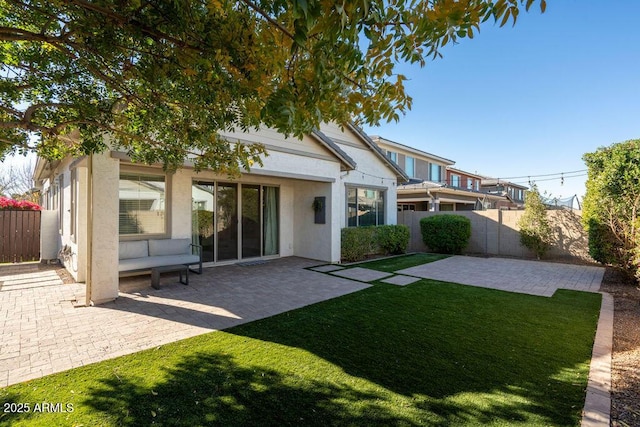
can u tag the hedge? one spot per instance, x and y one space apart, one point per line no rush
359 242
7 204
447 234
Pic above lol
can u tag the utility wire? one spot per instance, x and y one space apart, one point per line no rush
543 175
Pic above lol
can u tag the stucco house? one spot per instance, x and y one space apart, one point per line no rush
434 184
101 200
512 192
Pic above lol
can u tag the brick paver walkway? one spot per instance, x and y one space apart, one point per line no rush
513 275
42 333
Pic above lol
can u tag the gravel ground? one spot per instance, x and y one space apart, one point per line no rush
625 398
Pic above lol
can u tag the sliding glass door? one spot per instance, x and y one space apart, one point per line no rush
233 221
250 221
202 202
227 221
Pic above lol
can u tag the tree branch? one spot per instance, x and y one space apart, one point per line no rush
266 16
153 32
28 114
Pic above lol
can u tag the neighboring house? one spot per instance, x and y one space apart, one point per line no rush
428 196
268 212
435 185
513 193
463 180
417 164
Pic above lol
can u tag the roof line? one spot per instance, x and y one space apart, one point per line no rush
377 150
334 148
444 159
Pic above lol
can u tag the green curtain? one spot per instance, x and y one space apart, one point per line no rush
270 220
195 224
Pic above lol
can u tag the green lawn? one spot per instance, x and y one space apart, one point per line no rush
394 264
430 353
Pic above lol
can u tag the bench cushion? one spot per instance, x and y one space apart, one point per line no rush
133 249
131 264
169 247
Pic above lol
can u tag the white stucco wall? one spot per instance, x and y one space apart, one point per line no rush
371 172
292 165
181 204
287 231
60 235
312 240
81 246
104 260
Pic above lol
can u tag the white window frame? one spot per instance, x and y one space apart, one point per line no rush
440 168
73 204
152 172
412 160
358 189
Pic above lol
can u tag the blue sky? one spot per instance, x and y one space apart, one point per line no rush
530 99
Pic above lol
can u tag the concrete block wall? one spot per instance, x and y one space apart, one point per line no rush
496 232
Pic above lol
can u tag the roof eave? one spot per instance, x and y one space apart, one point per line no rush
402 176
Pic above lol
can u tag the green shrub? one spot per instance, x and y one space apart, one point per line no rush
535 231
601 243
447 234
611 205
392 239
359 242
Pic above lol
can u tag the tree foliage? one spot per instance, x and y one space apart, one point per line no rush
162 77
612 205
535 231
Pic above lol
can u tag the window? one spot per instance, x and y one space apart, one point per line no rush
477 185
230 216
73 208
410 166
469 183
434 172
392 156
365 206
406 207
455 180
61 202
142 204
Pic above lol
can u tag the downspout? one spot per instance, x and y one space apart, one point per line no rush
89 230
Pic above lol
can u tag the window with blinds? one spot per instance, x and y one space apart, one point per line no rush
365 207
142 204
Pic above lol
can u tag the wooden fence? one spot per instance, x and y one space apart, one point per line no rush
19 236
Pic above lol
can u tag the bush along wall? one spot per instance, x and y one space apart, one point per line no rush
359 242
7 204
446 234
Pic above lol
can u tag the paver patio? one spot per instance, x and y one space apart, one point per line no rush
42 332
513 275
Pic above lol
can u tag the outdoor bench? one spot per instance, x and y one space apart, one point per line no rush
149 254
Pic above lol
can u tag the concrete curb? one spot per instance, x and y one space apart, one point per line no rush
597 405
